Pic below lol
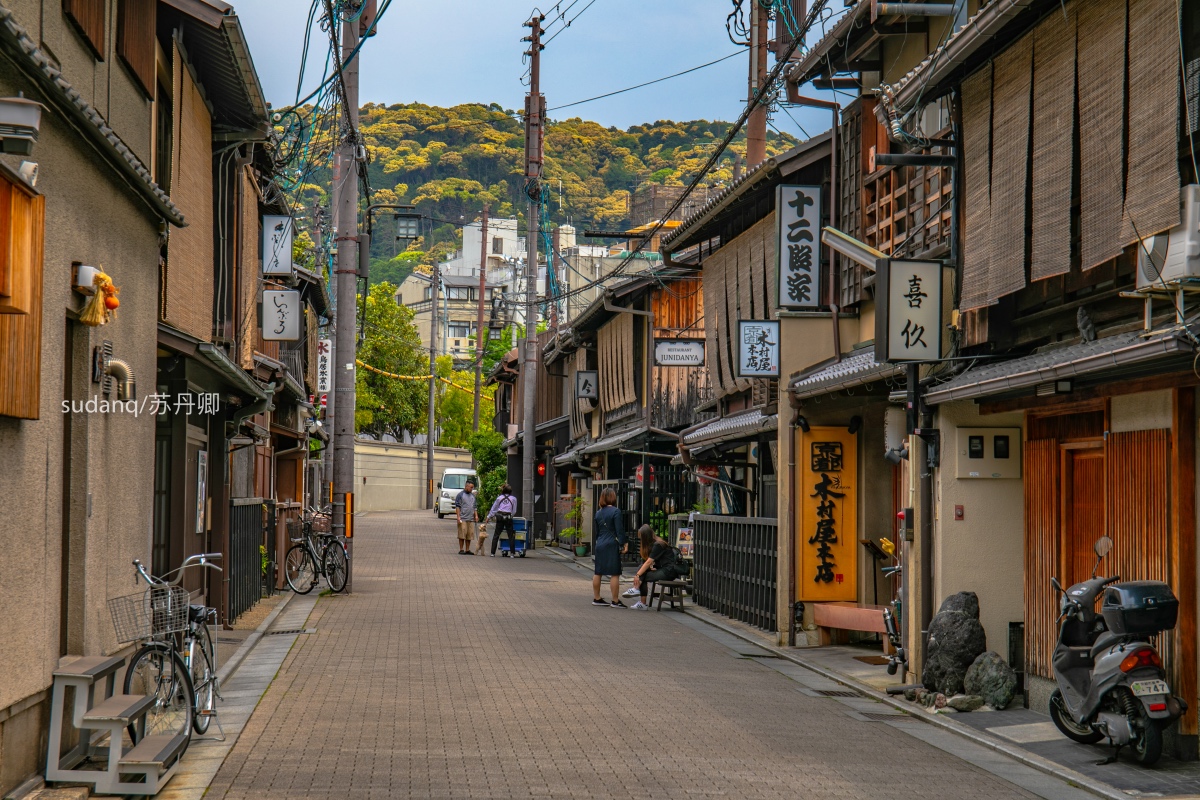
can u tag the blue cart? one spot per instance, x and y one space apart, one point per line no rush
520 535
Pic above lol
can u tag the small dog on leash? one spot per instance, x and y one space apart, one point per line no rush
482 538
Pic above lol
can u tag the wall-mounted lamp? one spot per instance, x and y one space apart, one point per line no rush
855 424
896 456
802 423
20 120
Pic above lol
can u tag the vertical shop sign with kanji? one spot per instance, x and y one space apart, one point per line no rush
324 376
827 540
798 246
758 348
910 325
277 245
281 314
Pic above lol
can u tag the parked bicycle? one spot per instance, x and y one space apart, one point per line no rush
177 665
313 555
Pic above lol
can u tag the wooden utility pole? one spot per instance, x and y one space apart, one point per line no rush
535 105
481 332
756 125
346 280
435 284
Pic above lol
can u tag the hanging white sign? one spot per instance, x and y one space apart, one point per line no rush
277 245
798 246
281 314
679 353
758 348
910 325
587 385
324 376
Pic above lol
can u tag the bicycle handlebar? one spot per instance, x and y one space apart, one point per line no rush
200 559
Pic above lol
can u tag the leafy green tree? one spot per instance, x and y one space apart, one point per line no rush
387 405
491 464
395 270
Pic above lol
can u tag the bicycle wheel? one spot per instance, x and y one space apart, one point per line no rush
203 663
300 570
157 671
333 564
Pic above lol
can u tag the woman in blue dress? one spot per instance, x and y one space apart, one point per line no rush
609 539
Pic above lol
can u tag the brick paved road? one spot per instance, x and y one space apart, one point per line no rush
448 676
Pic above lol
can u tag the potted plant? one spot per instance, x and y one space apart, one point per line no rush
575 532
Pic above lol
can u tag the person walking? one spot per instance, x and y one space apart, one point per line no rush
467 515
658 563
503 511
609 538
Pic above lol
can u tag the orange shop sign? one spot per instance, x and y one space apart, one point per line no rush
827 487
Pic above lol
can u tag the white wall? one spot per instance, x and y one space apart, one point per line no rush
389 476
1145 411
985 552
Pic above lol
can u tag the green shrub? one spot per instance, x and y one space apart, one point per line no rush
491 465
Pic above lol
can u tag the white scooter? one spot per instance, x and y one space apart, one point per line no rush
1111 682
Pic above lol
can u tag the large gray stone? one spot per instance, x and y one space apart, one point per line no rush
963 602
955 640
965 702
992 679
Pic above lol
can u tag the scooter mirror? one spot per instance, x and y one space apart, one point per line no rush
1054 582
1104 546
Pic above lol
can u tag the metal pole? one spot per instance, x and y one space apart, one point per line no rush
533 174
430 422
346 279
480 331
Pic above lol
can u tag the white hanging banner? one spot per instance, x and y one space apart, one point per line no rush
277 245
758 348
281 314
910 325
798 246
324 376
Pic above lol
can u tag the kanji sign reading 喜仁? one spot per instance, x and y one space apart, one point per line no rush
276 245
758 348
910 325
827 539
798 246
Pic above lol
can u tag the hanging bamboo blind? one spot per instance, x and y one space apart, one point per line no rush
977 142
1151 197
1010 151
1053 143
616 363
579 406
1101 40
249 268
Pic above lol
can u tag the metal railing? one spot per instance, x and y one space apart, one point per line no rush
244 571
735 567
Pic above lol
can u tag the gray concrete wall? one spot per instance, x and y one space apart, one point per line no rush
391 477
94 218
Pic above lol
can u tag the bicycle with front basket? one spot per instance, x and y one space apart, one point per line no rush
314 554
177 664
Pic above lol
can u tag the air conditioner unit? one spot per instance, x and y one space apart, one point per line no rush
1175 254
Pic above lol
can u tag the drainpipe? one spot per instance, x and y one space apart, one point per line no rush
791 519
254 408
126 383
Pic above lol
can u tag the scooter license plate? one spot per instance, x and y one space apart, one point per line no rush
1144 688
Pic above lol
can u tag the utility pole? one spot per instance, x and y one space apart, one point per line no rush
535 106
480 330
430 422
346 280
756 125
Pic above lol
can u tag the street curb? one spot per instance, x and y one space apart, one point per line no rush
1028 759
231 666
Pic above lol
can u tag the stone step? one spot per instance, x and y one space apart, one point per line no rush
122 708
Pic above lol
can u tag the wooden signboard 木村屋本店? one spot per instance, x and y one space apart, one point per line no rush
827 541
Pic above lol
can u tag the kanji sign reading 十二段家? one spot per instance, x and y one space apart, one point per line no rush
908 323
758 348
827 539
798 246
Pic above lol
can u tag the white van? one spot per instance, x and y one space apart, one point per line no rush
452 482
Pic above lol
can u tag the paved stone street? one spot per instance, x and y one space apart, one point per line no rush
448 676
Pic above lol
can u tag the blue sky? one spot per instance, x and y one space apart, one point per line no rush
444 53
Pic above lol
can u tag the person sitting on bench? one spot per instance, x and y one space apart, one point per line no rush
658 563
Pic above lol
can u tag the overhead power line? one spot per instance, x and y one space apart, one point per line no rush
647 83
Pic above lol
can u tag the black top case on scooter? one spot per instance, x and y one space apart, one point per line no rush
1139 608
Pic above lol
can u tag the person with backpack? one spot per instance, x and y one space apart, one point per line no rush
503 511
659 561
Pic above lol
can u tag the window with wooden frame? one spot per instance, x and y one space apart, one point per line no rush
22 220
136 40
88 16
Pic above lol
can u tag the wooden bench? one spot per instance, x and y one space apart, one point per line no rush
671 591
835 620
